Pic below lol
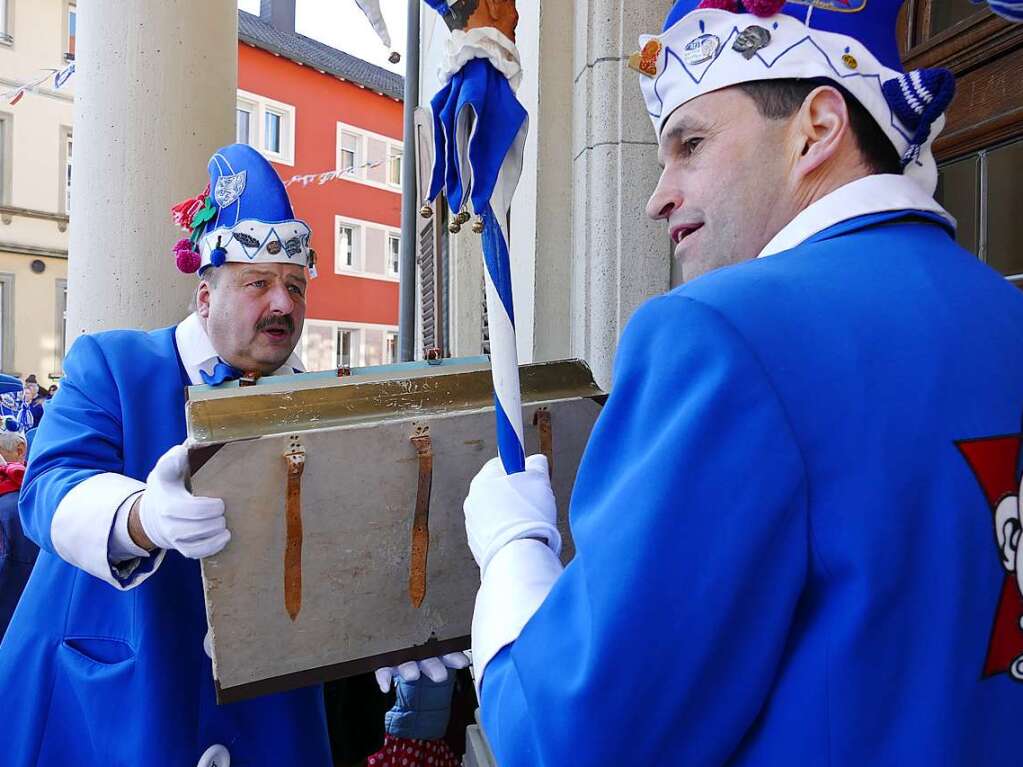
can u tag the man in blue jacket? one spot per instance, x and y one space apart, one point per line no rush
783 552
103 663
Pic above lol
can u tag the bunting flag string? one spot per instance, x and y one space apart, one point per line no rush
59 77
305 179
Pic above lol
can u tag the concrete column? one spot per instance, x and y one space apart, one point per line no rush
155 94
619 257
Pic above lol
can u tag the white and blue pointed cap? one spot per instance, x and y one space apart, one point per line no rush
707 45
244 216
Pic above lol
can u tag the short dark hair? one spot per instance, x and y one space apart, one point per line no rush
778 99
460 12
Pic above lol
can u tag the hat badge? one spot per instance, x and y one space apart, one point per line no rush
645 61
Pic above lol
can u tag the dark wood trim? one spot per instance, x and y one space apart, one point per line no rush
969 44
431 649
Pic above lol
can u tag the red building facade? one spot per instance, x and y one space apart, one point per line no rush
332 127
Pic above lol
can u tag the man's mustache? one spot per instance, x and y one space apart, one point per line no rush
277 321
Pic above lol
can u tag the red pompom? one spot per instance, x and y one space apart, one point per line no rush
188 261
763 7
720 5
183 244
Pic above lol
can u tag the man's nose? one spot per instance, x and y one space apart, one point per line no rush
666 198
281 300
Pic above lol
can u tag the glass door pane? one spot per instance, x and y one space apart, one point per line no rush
1004 219
959 193
948 13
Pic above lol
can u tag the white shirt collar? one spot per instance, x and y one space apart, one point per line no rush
197 352
872 194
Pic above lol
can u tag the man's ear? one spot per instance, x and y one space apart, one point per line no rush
821 125
202 299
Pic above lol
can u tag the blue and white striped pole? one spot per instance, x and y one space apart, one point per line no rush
504 360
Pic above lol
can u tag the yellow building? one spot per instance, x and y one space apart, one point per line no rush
37 40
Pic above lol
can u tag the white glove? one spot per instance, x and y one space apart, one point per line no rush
501 508
173 518
435 669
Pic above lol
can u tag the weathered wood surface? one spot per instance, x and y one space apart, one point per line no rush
358 499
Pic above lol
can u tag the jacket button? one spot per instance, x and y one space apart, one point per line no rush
215 756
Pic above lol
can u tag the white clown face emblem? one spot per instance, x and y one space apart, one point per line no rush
1008 529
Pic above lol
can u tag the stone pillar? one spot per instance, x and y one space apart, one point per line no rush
155 94
619 257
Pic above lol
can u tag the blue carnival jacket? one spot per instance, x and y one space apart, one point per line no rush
782 555
91 676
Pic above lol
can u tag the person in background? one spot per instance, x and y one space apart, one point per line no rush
17 553
34 397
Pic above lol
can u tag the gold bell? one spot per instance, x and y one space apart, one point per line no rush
463 217
454 227
477 225
426 211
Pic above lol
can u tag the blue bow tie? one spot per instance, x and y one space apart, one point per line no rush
221 372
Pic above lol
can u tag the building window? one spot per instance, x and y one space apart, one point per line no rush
272 131
5 22
66 168
6 124
266 125
349 238
60 329
243 124
982 191
391 348
393 254
348 152
72 28
394 166
7 321
344 348
369 158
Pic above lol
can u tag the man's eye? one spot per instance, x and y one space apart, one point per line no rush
690 145
258 283
297 290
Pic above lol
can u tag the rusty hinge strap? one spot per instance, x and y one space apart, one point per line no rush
295 459
421 520
542 421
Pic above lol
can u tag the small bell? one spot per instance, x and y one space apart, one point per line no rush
477 225
454 227
463 217
426 211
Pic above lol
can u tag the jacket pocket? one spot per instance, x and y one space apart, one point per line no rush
93 697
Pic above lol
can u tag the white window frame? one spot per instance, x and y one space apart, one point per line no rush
66 167
395 151
244 105
69 7
389 338
6 156
6 38
392 235
257 106
358 245
359 257
358 338
359 176
357 152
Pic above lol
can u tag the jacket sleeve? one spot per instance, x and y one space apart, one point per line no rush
74 484
660 640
